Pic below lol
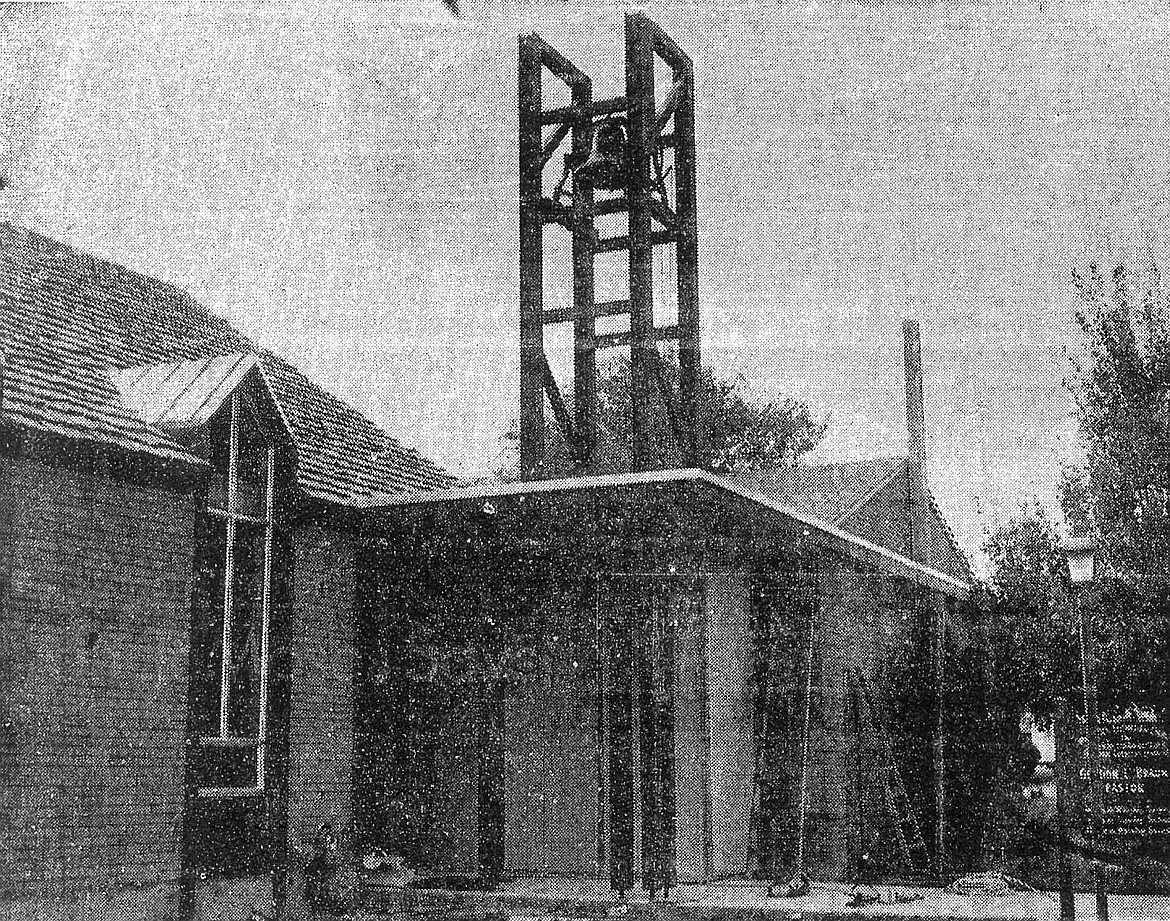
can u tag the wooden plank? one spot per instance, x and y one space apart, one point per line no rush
553 143
611 206
666 391
661 213
664 46
615 244
618 340
671 102
553 213
560 411
531 256
575 114
559 65
604 309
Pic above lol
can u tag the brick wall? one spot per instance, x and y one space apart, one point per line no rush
321 705
94 612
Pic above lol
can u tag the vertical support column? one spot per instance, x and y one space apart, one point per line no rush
491 782
584 324
915 418
687 255
935 611
655 666
617 642
531 260
640 123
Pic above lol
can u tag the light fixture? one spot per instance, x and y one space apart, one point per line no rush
1081 553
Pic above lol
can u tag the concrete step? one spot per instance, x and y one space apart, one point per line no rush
707 903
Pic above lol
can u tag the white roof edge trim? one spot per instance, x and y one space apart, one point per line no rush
246 363
691 474
834 531
272 396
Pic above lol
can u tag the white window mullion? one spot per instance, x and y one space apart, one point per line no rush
229 567
265 610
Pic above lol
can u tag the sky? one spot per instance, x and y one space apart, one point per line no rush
341 184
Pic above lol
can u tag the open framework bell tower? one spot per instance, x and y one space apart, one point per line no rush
633 155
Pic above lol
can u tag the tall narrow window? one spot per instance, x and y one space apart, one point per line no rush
234 604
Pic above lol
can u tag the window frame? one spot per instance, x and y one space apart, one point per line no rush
232 517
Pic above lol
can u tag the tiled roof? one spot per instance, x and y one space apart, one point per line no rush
829 492
69 321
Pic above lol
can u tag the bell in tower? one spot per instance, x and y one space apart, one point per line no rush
606 166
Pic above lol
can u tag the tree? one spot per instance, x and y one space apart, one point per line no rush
1123 404
1122 494
743 433
1029 628
1031 663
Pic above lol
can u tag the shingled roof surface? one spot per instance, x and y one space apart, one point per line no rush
68 321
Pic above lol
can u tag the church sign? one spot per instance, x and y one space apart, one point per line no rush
1135 773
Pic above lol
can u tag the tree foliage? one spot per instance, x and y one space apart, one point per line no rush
742 432
1122 494
1030 630
1123 400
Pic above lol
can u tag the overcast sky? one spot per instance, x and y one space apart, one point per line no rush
342 185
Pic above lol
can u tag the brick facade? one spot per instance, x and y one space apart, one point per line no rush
95 604
321 687
95 608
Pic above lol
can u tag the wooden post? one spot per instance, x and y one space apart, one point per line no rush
919 550
938 736
531 260
915 418
655 667
640 116
584 306
691 416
